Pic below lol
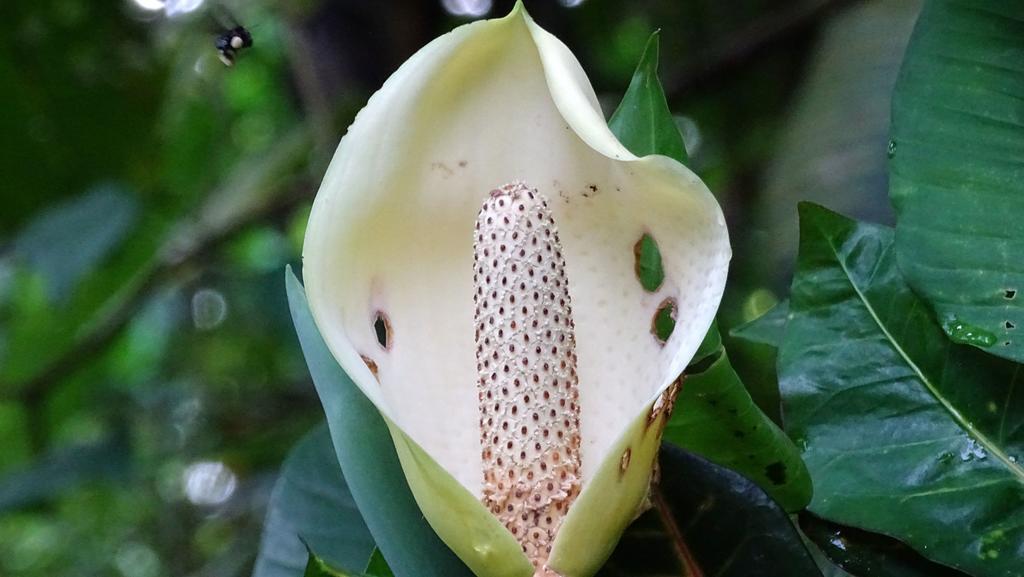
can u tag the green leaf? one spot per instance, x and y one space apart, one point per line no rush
311 503
767 329
367 456
904 432
642 122
64 469
864 553
716 418
317 567
956 149
70 266
378 566
66 242
708 520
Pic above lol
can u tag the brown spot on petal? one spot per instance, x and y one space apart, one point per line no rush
372 365
627 456
665 403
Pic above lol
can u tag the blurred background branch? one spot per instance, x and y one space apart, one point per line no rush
258 190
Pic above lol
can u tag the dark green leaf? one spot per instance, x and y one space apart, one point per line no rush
66 127
64 243
38 333
956 149
767 329
825 565
716 418
317 567
708 520
904 432
65 469
378 566
311 503
642 122
863 553
364 449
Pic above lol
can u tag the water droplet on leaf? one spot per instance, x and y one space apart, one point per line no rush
991 543
968 334
972 450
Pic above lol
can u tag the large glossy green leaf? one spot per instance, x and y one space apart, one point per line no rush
957 181
767 329
312 507
716 418
708 520
364 449
643 122
904 432
864 553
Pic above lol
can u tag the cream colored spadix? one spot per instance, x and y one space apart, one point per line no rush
390 255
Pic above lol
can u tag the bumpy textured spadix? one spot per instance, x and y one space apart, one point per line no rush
526 360
391 251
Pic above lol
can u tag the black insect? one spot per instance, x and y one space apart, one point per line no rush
230 42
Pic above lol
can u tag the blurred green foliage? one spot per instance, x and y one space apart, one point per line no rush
150 380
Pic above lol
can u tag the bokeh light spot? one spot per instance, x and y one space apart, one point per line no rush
209 483
209 309
471 8
151 5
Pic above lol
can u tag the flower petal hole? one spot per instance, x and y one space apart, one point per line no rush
649 270
382 329
664 321
526 364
